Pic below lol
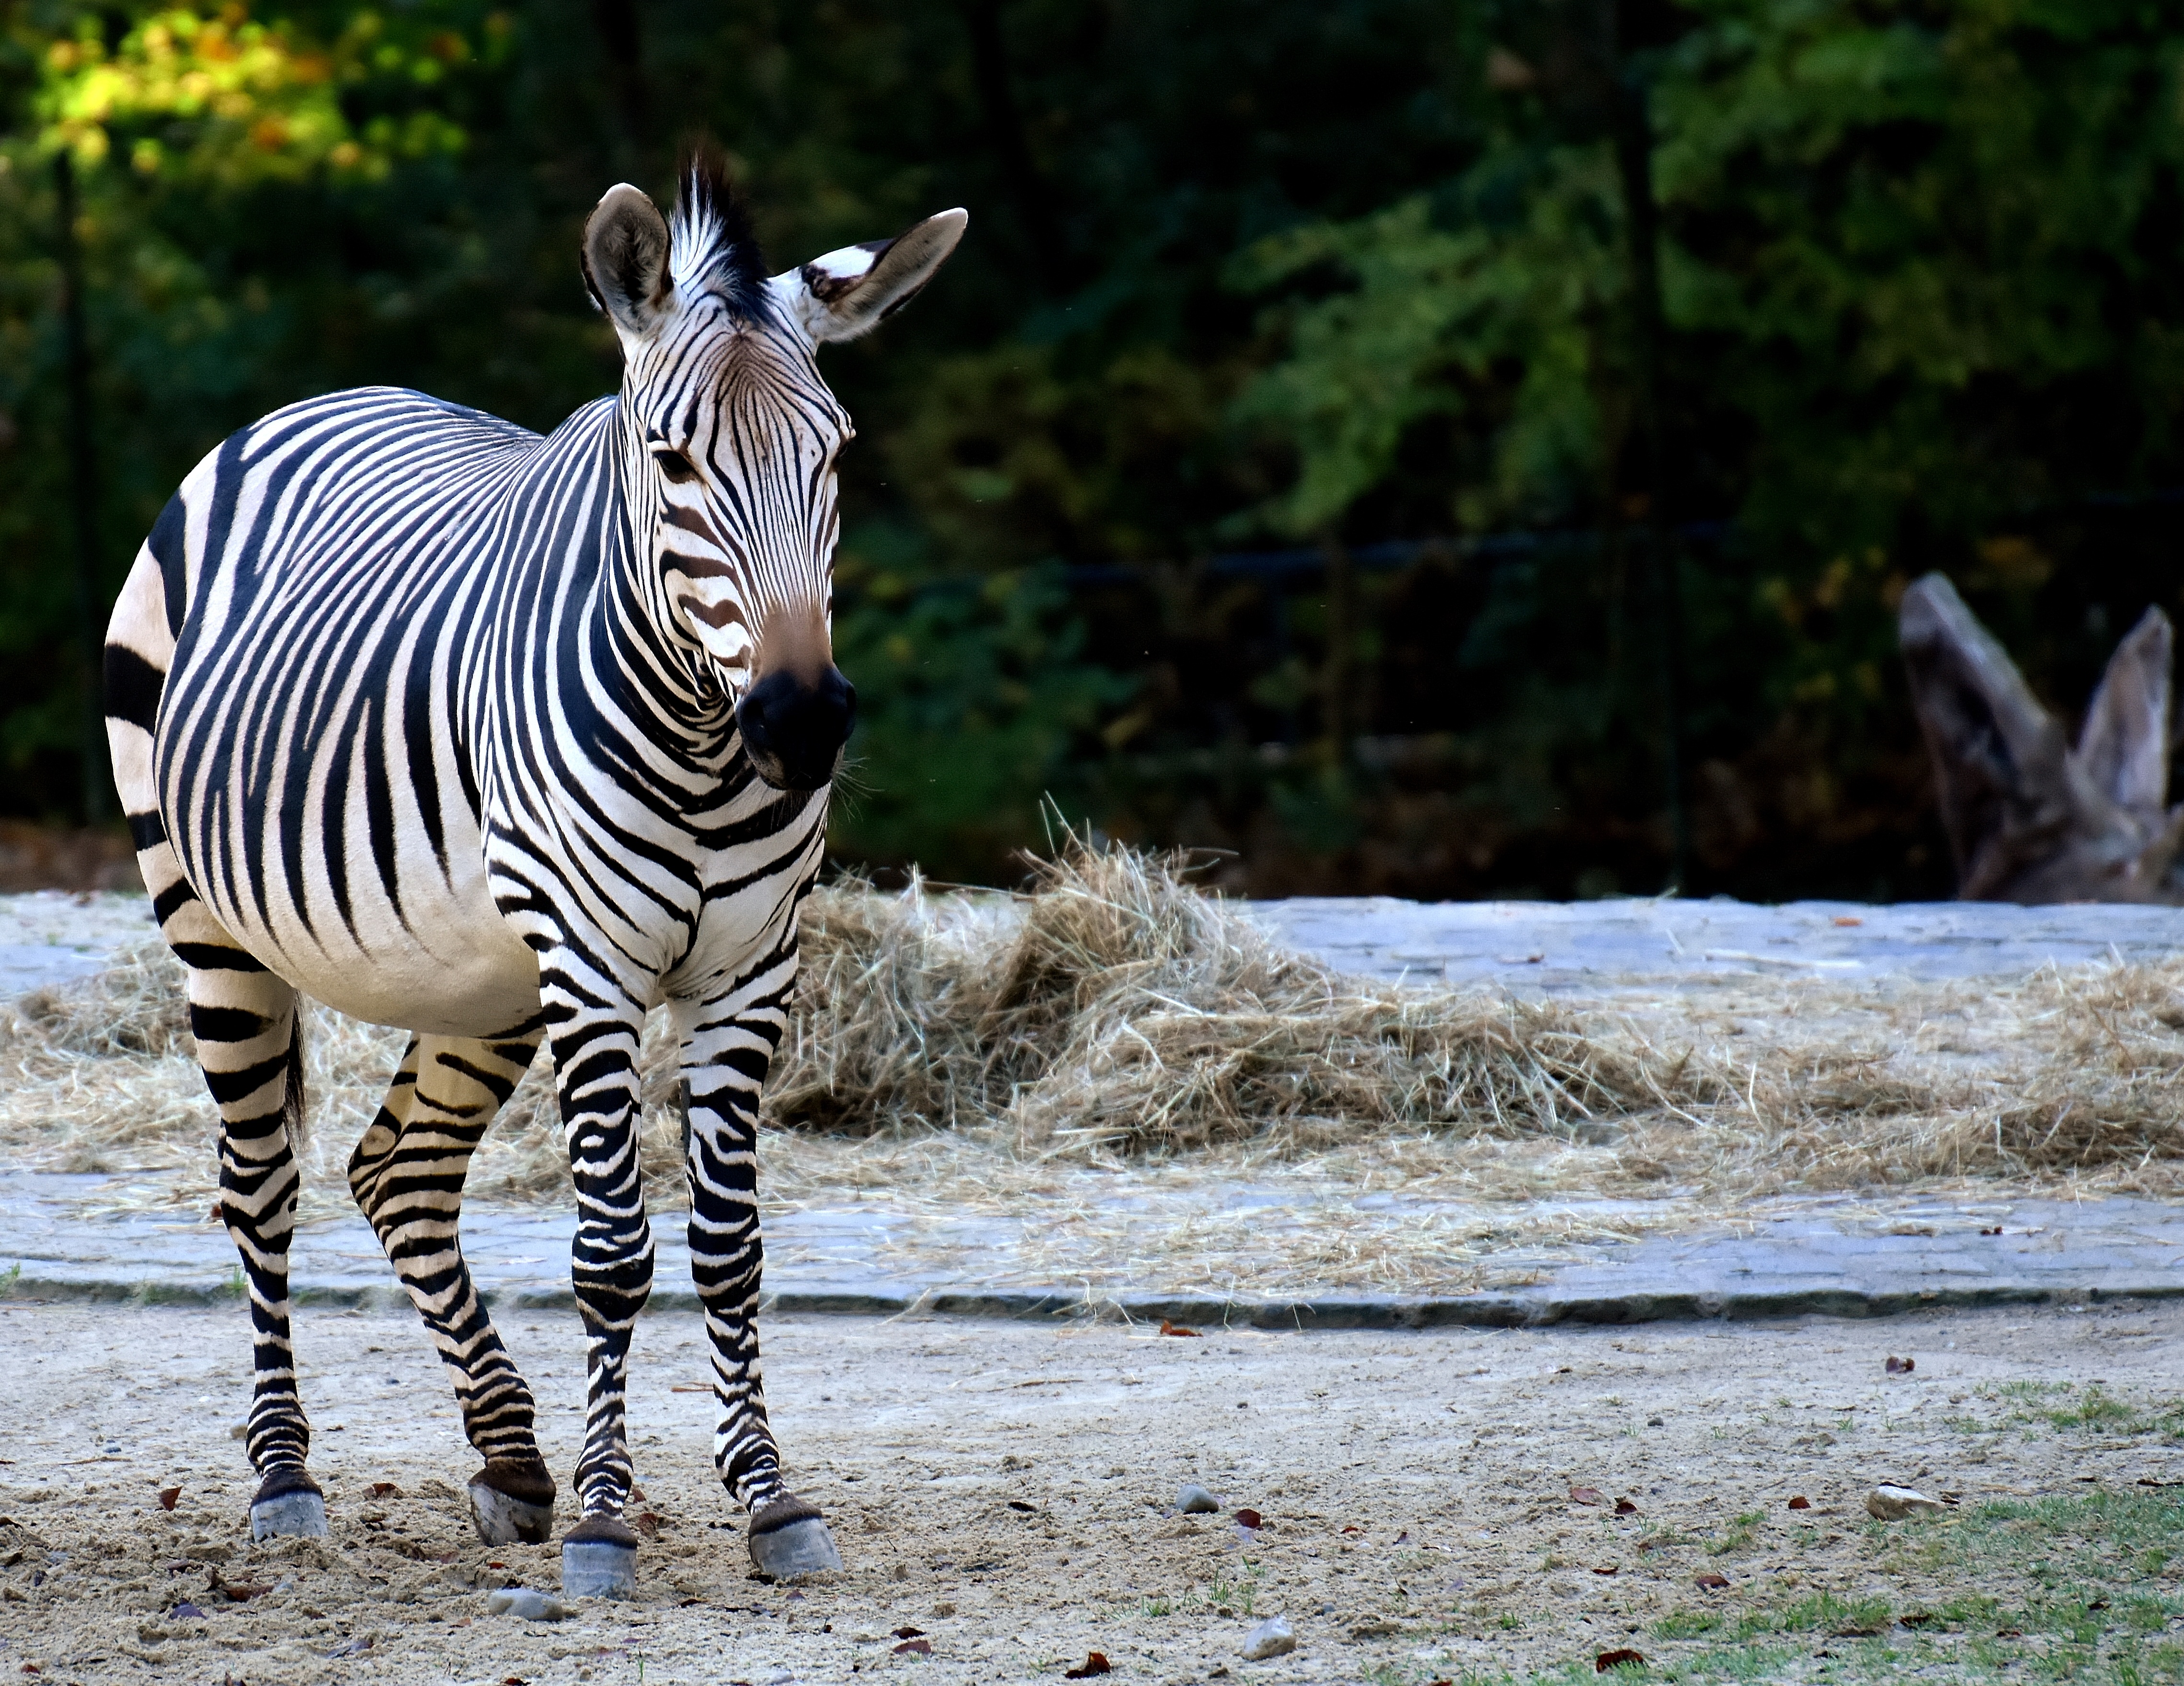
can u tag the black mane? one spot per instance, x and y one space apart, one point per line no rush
714 243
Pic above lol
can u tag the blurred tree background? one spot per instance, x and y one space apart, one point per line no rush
1430 448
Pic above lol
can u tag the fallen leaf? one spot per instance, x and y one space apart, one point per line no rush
1353 1528
1586 1495
1249 1518
169 1496
1616 1659
385 1489
1609 1570
1848 920
910 1632
1095 1663
1623 1507
1801 1503
496 1566
1711 1581
242 1592
1901 1367
648 1524
1166 1328
914 1648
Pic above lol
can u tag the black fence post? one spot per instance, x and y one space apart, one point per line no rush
1634 154
83 492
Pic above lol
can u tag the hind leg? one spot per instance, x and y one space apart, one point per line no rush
407 1175
244 1020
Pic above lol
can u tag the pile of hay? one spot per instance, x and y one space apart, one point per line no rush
1114 1013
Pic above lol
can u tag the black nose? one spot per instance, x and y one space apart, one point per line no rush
793 729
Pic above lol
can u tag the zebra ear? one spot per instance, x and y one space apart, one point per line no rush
626 259
850 292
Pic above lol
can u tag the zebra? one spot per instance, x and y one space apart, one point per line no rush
503 740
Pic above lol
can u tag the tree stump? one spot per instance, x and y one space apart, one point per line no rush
2031 819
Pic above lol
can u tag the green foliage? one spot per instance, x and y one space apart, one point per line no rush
1238 275
1505 322
973 700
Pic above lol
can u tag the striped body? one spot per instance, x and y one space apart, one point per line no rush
366 764
504 741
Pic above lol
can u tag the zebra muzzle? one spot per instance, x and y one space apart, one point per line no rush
793 727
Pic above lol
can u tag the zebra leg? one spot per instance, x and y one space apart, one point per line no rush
407 1175
727 1046
250 1046
244 1021
594 1043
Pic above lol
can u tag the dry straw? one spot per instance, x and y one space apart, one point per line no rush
968 1049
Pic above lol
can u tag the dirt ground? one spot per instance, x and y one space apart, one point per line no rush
1010 1490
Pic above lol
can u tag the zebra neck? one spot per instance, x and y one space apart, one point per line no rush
660 669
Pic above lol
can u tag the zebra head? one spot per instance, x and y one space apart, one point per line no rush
729 438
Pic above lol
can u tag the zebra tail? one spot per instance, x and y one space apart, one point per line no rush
292 1120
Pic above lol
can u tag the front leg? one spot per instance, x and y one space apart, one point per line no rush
727 1045
595 1038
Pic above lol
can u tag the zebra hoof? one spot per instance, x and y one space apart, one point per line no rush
290 1505
788 1539
503 1519
598 1560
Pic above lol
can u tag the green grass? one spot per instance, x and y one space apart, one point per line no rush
1738 1536
2066 1409
2057 1589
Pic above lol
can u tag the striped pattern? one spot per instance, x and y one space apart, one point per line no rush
435 721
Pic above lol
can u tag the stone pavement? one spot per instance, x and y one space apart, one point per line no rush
1532 947
1597 947
1842 1254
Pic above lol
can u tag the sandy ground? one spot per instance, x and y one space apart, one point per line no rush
1009 1491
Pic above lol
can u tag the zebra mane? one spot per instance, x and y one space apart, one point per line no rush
711 240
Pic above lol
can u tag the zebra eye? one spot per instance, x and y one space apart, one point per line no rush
676 466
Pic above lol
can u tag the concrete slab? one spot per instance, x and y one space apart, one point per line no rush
1839 1255
1843 1254
1600 947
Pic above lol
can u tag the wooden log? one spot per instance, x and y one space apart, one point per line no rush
2031 818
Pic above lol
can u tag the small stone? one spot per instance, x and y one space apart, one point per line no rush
527 1604
1271 1637
1194 1500
238 1431
1892 1504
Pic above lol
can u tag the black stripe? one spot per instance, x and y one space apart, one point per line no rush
132 688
